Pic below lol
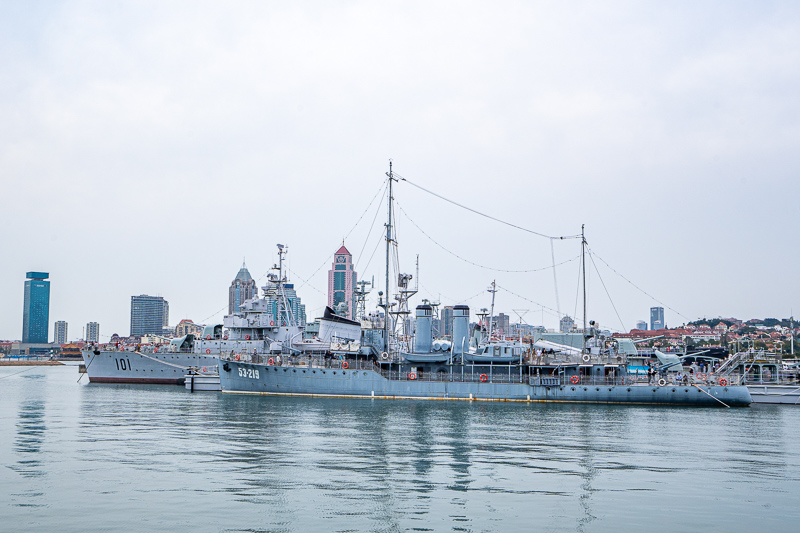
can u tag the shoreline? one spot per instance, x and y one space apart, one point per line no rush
46 362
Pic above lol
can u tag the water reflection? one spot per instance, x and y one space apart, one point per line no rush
155 455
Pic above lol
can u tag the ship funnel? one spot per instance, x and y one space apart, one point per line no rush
422 336
460 329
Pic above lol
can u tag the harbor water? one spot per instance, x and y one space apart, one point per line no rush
96 457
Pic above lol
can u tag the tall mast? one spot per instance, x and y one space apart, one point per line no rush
493 290
583 266
387 318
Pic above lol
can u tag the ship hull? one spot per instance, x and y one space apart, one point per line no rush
248 378
151 368
775 394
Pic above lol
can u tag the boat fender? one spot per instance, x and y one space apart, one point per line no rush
238 356
247 337
271 361
484 377
575 379
662 382
345 365
412 376
723 381
226 367
586 358
97 352
208 350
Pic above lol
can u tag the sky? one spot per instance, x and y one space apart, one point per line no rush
151 147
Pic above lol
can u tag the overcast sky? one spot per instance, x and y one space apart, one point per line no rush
147 148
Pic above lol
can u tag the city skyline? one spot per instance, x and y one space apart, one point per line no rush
655 126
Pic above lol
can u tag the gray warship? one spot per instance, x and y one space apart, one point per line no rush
254 329
470 366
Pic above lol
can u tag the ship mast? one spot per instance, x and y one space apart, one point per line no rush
387 317
493 290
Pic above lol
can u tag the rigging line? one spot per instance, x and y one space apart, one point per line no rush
327 259
372 226
476 264
383 186
603 283
373 252
549 309
455 301
640 289
305 281
578 290
482 214
555 280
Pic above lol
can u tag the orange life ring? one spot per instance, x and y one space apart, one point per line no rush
412 376
484 377
205 369
247 337
271 322
224 337
155 350
700 376
575 379
237 356
208 337
723 381
345 365
208 350
271 361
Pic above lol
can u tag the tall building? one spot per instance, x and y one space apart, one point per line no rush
342 281
92 332
446 321
641 325
566 324
149 314
243 287
502 324
274 298
656 318
36 309
60 332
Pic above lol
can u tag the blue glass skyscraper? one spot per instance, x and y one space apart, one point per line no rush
36 311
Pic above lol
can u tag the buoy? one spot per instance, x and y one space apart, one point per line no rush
208 337
205 369
271 322
723 381
586 358
224 337
247 337
208 350
384 356
575 379
484 377
412 376
662 382
237 356
271 361
345 365
700 376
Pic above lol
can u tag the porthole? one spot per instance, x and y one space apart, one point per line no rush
573 388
